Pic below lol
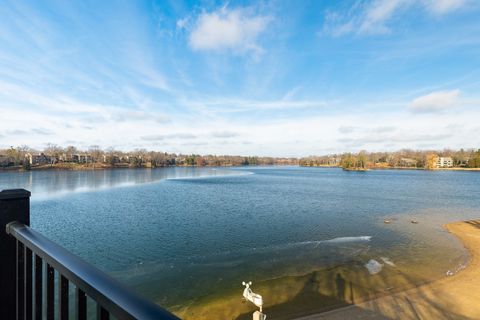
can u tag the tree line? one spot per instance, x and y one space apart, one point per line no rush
406 158
54 155
26 157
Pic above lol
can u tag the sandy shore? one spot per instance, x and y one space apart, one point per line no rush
402 291
453 297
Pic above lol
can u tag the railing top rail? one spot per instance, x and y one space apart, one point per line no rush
14 194
109 293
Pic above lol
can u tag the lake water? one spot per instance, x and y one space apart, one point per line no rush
187 237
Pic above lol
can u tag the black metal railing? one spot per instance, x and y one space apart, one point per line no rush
32 266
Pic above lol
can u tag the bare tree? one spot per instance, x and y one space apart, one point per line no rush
95 152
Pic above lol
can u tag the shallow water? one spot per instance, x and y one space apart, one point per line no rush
190 236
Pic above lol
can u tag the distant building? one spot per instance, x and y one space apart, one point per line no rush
111 159
334 161
39 159
28 158
81 158
6 161
64 157
84 158
444 162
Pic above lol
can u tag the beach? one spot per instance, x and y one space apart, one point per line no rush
453 297
348 292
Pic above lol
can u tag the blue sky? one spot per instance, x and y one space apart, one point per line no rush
280 78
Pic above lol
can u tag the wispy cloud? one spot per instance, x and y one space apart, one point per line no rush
378 14
229 105
401 138
436 101
441 7
352 129
158 137
42 131
224 134
374 17
364 17
235 30
31 132
129 115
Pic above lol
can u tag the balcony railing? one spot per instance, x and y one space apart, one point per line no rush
32 266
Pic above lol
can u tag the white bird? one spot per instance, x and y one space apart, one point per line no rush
249 295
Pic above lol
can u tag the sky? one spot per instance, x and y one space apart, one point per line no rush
268 78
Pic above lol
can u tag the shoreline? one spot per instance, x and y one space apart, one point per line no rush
102 166
348 291
451 297
396 168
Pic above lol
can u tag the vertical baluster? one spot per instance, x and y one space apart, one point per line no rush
62 298
20 281
80 304
50 275
102 314
38 287
28 284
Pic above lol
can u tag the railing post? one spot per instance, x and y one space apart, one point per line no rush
14 206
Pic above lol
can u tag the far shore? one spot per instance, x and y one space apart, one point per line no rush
397 168
88 167
104 166
452 297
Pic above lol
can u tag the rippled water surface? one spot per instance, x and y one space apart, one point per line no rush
178 234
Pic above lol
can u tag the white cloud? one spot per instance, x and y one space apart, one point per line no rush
225 29
436 101
299 136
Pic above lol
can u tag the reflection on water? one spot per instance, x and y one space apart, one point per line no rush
304 236
44 183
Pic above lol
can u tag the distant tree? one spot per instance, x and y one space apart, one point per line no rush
111 156
348 161
69 152
200 161
190 160
361 162
95 152
14 156
431 161
474 161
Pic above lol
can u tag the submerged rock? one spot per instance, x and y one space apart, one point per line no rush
373 266
388 261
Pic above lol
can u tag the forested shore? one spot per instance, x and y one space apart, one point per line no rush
72 158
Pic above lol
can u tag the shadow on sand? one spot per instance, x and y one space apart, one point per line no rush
474 223
342 290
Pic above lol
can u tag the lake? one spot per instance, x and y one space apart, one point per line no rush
187 237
